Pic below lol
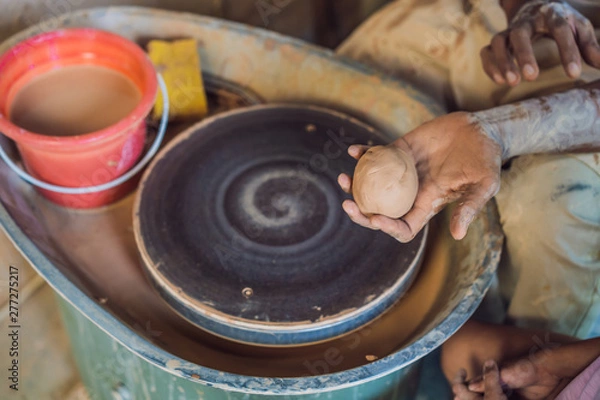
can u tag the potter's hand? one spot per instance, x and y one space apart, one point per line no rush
490 385
458 156
572 32
455 162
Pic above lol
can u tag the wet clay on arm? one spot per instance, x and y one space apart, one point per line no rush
562 122
385 182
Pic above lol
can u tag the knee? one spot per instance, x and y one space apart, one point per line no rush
550 212
550 200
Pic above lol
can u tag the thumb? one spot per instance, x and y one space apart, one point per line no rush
471 205
356 151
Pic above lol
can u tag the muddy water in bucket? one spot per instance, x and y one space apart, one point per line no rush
74 100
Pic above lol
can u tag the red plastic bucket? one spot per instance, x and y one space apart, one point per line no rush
88 159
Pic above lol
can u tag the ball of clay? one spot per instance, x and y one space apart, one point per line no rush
385 182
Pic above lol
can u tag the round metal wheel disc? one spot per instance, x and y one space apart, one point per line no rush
240 227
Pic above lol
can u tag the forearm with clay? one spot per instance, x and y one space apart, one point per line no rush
562 122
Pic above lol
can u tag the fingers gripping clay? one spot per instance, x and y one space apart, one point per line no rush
385 182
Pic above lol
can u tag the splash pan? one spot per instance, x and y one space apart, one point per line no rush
91 259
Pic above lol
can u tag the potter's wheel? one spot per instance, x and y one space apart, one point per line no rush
241 230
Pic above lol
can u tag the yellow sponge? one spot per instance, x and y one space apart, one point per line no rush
179 64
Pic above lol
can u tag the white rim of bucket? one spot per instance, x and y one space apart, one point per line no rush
115 182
